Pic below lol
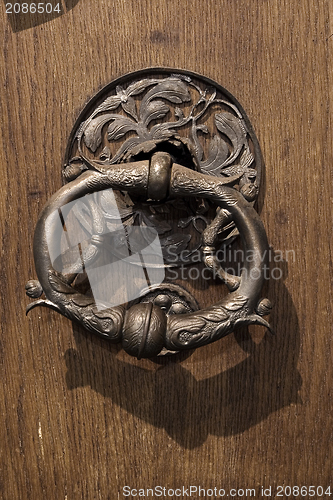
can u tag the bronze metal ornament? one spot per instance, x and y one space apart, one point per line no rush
146 142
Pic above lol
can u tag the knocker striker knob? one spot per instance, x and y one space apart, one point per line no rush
148 147
144 330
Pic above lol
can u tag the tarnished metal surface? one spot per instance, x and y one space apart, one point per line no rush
145 143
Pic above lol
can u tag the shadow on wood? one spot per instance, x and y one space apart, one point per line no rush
189 409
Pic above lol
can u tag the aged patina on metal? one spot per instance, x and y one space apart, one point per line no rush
147 141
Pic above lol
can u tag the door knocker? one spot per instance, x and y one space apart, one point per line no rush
150 143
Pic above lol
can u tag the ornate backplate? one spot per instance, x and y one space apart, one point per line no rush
191 117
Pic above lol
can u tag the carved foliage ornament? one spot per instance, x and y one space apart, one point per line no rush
148 144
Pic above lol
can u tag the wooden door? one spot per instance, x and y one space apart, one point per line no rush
80 418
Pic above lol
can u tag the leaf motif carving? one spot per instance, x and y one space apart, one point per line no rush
218 153
109 104
119 127
228 155
247 158
126 147
93 132
137 87
172 89
162 131
137 145
232 127
153 111
130 107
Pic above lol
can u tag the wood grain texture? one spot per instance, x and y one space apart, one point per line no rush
79 418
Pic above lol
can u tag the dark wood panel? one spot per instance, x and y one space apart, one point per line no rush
81 419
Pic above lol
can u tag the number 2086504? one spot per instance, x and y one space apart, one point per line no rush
32 8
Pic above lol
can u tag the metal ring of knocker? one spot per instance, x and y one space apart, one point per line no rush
149 165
